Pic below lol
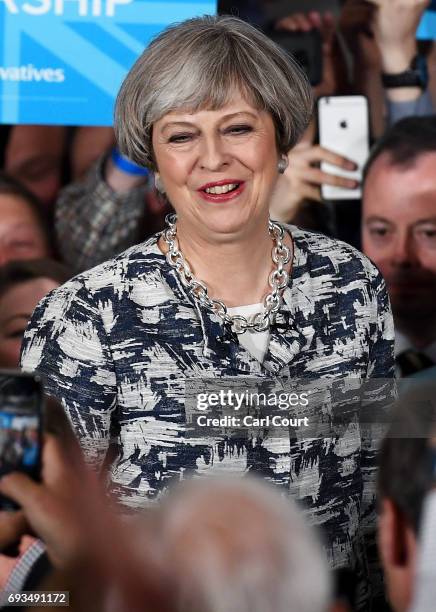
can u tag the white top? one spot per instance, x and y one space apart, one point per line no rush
256 343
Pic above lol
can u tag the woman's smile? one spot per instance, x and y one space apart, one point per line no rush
222 191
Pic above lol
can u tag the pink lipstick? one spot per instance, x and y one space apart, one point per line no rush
217 192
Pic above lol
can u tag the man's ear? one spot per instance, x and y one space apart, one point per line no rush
392 535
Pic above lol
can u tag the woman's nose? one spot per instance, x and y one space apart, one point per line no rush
213 155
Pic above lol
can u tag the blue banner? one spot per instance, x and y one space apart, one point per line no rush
62 61
427 27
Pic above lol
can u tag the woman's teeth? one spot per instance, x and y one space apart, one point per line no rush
220 189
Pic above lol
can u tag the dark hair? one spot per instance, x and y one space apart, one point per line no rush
17 272
404 142
13 187
405 473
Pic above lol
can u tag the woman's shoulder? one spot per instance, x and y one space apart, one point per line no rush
140 261
100 287
321 253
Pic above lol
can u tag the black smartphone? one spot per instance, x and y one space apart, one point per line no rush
304 47
21 409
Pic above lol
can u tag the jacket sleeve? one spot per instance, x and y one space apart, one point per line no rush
94 223
66 343
381 354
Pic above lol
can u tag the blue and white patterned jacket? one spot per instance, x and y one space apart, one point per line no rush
118 342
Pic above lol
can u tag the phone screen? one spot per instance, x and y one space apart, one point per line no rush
20 426
427 27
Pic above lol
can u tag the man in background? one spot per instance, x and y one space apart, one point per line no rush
399 234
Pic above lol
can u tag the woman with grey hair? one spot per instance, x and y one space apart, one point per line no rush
212 107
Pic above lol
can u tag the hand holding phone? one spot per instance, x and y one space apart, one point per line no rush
343 123
303 179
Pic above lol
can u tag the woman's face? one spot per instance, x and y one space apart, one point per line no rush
218 167
21 236
16 307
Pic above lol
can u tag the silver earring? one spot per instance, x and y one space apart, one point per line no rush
282 164
158 184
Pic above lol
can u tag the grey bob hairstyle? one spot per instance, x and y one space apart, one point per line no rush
197 65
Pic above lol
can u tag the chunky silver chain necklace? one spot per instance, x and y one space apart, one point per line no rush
278 280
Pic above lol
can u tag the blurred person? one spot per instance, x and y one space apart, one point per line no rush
112 207
23 231
424 592
399 233
34 155
42 157
334 76
404 70
406 474
391 27
118 343
22 285
211 545
72 517
231 544
388 64
23 557
88 145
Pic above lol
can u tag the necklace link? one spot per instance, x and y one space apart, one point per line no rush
278 280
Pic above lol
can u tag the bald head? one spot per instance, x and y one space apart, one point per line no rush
238 546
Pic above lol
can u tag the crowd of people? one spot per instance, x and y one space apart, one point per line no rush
125 306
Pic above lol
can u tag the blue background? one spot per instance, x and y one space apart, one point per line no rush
94 52
427 27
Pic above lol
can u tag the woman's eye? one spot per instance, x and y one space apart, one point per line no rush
240 129
180 138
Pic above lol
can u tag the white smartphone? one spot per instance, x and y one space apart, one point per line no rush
343 123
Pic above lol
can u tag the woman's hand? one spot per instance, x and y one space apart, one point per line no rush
325 23
303 179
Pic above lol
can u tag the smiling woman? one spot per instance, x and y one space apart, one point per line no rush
213 107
